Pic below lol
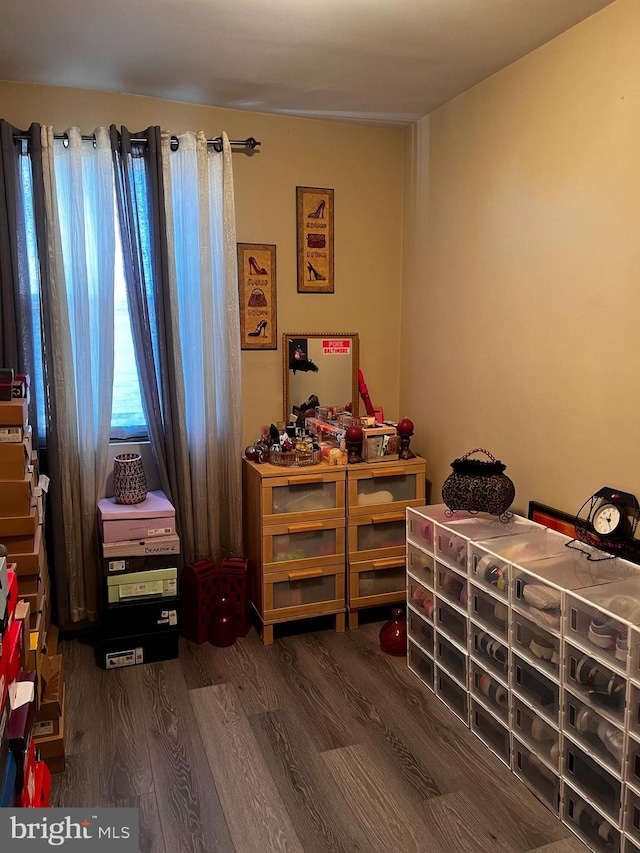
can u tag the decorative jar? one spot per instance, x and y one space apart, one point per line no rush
129 481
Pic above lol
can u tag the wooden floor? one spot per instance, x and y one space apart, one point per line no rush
319 743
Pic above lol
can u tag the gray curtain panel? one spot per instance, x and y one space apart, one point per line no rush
141 211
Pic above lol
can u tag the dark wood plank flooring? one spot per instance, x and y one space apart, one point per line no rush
319 743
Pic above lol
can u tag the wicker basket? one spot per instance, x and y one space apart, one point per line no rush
296 458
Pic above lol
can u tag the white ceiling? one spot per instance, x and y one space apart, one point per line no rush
365 60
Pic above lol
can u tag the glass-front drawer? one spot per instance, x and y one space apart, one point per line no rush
536 774
390 487
593 732
489 691
632 815
633 762
377 536
301 497
588 823
452 659
377 581
303 544
491 653
452 694
539 735
420 631
536 645
295 594
420 598
538 690
596 684
599 619
452 586
421 565
587 776
451 622
491 612
421 665
491 732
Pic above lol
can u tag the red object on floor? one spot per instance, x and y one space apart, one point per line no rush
206 588
43 785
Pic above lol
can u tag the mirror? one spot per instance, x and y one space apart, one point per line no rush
324 364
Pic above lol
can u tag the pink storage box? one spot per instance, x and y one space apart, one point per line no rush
155 516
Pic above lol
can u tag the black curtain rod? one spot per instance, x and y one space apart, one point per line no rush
249 142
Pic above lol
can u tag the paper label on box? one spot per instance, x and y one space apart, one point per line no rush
43 482
172 587
130 657
117 565
10 434
150 548
43 729
173 617
160 531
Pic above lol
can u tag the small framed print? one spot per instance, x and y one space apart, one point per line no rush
314 217
257 296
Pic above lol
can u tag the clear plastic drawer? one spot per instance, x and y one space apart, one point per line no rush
537 733
592 780
633 762
452 694
490 561
632 815
588 823
492 613
634 709
420 631
539 600
421 523
452 586
421 565
489 691
540 692
452 659
420 598
421 665
490 652
593 732
452 538
491 732
599 619
451 622
629 846
536 645
596 684
537 775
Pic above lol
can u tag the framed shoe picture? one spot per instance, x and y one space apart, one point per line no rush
314 217
257 296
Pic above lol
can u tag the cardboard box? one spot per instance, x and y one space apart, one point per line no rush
50 646
16 496
22 524
161 614
126 565
160 583
14 413
14 459
380 444
11 435
139 649
51 748
148 547
153 517
23 611
33 562
52 697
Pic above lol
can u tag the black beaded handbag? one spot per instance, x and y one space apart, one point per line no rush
479 486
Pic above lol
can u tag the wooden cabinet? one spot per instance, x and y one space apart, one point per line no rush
324 539
294 535
378 494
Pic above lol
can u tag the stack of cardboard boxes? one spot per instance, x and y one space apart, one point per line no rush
140 597
40 723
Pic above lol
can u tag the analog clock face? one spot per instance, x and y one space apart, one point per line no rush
608 520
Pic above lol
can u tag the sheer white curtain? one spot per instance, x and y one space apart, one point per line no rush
201 234
79 208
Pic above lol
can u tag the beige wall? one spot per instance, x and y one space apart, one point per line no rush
364 167
521 298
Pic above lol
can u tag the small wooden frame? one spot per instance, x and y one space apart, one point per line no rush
314 217
257 292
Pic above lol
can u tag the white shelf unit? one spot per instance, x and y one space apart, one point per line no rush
536 647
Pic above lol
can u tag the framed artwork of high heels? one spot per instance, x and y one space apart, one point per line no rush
314 217
257 296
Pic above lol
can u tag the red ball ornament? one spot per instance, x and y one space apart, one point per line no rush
405 427
354 434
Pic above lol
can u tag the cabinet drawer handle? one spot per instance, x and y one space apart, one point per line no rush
305 526
295 481
386 516
304 573
389 563
389 472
